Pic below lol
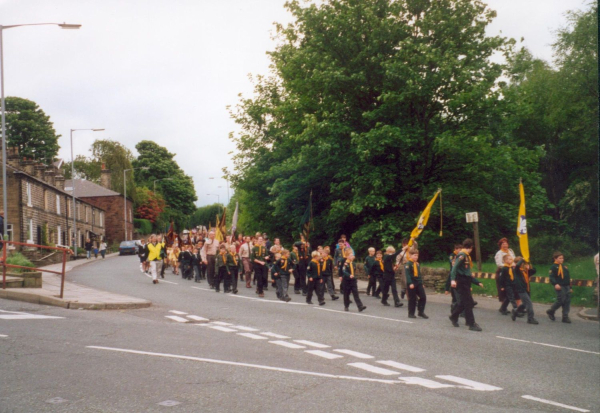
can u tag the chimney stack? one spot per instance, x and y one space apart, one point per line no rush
105 177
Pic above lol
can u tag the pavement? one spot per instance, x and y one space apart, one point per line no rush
196 350
75 296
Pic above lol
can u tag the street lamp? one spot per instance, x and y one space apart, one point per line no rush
125 195
4 183
227 180
163 179
217 195
73 184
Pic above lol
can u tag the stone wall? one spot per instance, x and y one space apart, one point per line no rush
433 278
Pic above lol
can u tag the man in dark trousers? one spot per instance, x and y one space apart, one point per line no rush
303 259
315 279
350 286
260 257
461 280
389 277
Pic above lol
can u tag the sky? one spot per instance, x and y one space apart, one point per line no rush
166 70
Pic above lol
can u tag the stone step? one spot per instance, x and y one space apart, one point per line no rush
13 282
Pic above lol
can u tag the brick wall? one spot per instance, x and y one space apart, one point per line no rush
114 227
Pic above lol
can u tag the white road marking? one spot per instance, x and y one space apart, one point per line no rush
401 366
324 354
3 335
17 315
245 328
252 336
470 384
224 329
537 399
177 318
550 345
162 281
354 354
221 323
197 318
274 335
234 363
362 315
177 312
419 381
262 300
374 369
312 344
286 344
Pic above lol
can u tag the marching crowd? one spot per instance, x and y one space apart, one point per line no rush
198 255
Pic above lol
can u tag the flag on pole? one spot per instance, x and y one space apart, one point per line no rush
423 219
221 230
522 225
234 220
306 223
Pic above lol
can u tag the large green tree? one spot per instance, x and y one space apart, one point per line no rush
372 105
29 129
178 192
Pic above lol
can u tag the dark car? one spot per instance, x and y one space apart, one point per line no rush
128 248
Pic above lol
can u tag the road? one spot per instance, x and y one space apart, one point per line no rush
198 351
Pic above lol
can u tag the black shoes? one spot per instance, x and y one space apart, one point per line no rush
287 299
402 294
322 303
377 296
361 309
398 305
296 292
309 303
550 315
503 312
235 291
385 303
423 315
334 297
454 323
412 316
475 327
532 321
513 315
566 320
345 308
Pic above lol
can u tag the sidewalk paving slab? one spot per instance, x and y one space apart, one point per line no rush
75 296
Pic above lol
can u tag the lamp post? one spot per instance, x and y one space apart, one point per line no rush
163 179
217 195
125 196
73 183
226 180
4 183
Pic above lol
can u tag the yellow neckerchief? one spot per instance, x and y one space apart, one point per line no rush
415 268
325 262
351 264
318 266
224 257
504 250
260 253
470 260
380 263
560 270
284 267
525 274
234 260
510 272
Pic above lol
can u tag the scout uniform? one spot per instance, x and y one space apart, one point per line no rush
371 287
461 273
349 277
376 274
389 279
327 274
314 274
281 274
412 270
224 264
559 275
259 253
235 269
522 288
507 282
300 274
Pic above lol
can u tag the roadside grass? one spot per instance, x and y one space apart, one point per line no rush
580 269
16 258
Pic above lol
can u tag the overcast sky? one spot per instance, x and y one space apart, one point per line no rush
165 70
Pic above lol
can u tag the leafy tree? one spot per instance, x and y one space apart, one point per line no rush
179 192
29 129
372 105
85 168
206 215
149 205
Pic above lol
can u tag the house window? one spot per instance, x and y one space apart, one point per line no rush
58 235
101 219
29 203
93 216
9 232
30 231
45 199
58 204
130 216
87 218
79 211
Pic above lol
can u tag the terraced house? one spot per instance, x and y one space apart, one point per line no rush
40 211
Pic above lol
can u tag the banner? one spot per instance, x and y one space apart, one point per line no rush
423 219
234 220
522 225
306 221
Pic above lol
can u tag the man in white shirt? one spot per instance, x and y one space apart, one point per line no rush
245 252
209 255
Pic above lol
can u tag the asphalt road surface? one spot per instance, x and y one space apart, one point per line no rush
198 351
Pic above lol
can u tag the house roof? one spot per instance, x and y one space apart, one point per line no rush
86 188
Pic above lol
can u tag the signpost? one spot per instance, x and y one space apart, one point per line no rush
474 218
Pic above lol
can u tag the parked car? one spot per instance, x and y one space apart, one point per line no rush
128 248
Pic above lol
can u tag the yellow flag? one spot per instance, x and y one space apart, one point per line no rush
522 225
218 234
423 219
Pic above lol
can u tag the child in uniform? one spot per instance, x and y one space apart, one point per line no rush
522 272
327 273
461 281
414 282
376 272
235 268
448 289
349 271
369 262
281 273
224 263
561 280
389 277
315 280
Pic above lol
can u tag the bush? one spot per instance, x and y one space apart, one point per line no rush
541 247
16 258
143 226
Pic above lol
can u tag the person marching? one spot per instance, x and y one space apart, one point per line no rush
209 257
389 277
281 272
185 262
522 272
235 268
448 289
414 281
245 253
499 258
327 273
153 257
315 280
507 284
561 280
300 274
350 286
259 254
376 272
142 253
224 264
369 262
461 281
